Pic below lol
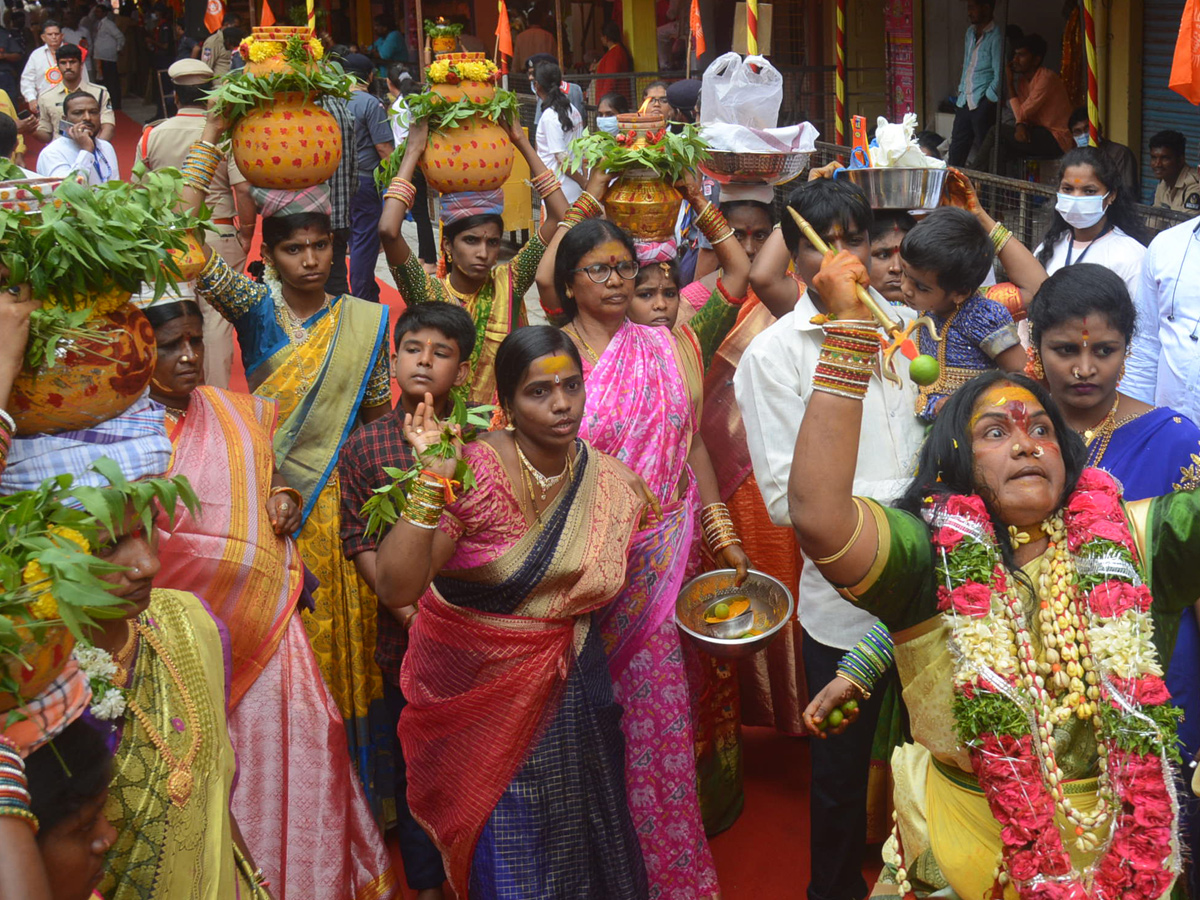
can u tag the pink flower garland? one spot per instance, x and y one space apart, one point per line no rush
1139 861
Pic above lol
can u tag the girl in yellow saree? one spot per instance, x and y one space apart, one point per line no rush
322 360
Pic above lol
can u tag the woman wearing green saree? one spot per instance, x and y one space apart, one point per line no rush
1033 613
323 360
468 272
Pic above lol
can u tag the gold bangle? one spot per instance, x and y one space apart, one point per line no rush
845 676
850 543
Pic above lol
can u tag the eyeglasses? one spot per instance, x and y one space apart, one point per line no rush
601 272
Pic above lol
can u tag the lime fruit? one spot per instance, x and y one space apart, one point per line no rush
822 725
849 706
835 717
720 611
923 370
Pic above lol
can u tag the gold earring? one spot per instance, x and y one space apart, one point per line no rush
1039 373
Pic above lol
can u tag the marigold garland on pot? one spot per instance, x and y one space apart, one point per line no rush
1098 664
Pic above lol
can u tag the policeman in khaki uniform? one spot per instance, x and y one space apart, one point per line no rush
165 143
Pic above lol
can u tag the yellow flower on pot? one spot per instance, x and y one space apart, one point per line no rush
70 535
44 605
260 51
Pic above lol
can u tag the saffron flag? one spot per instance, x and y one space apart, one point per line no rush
697 28
267 17
504 31
1185 68
214 15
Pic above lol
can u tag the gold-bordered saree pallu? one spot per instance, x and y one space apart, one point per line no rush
511 735
174 836
319 385
281 716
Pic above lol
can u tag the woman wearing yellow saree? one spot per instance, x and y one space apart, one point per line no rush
322 360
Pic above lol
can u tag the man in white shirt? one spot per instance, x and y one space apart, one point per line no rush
79 150
108 41
773 384
1164 364
41 69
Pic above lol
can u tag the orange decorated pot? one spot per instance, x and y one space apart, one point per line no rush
644 205
190 260
475 155
290 145
445 43
475 91
93 379
44 661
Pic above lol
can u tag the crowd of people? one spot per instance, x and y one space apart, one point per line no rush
494 669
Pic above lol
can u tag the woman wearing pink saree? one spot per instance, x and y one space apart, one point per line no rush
298 801
643 407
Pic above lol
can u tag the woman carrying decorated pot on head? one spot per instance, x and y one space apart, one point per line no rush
323 359
468 273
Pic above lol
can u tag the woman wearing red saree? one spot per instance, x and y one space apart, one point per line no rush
286 730
511 734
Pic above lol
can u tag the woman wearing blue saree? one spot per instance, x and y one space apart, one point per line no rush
1082 325
323 360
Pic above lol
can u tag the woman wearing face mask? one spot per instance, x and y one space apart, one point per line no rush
607 110
1095 220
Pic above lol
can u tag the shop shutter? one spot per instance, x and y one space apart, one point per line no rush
1162 108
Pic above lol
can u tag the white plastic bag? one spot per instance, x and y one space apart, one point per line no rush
800 138
895 146
733 92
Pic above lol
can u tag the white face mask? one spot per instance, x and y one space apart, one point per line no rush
1080 212
607 123
1081 140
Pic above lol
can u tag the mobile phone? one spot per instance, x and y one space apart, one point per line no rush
24 114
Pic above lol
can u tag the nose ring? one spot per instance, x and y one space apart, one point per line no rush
1039 451
1075 372
1016 448
137 570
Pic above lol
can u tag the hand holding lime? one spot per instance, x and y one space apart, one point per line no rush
835 717
848 707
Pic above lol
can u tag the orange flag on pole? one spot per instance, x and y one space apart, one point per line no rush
504 31
214 15
1185 68
697 27
268 17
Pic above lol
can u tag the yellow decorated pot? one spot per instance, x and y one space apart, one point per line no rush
643 205
43 661
445 43
92 380
290 145
189 260
475 155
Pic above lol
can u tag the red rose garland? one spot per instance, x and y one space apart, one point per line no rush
1097 664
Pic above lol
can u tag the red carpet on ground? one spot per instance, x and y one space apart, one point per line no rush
765 853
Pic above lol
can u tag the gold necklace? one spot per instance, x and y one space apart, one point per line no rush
587 348
1103 432
545 482
291 323
181 781
464 299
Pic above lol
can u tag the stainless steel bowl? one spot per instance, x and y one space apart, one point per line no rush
771 604
728 167
899 188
